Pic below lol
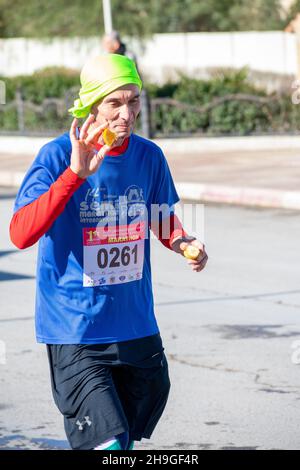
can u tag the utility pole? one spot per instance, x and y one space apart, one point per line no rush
107 16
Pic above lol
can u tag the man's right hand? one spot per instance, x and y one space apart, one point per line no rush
85 160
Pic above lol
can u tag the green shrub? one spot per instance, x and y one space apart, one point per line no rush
230 117
9 119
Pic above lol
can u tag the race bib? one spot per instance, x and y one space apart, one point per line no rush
113 255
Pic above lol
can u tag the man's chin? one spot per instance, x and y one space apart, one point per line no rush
123 134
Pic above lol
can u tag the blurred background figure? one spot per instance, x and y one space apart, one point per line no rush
112 43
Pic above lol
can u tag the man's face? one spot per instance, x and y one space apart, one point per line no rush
120 109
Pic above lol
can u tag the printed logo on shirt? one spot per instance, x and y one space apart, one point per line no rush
99 207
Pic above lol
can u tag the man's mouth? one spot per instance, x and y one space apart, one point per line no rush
122 126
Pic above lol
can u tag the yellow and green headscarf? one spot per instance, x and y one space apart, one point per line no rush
100 76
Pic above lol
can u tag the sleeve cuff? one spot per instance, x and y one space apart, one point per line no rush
69 177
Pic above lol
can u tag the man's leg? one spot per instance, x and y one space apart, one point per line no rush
85 394
143 392
123 439
110 444
130 445
125 442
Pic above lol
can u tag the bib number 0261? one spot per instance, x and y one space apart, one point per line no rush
117 257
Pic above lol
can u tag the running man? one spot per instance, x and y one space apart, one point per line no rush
90 206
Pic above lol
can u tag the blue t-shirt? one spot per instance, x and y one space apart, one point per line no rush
93 268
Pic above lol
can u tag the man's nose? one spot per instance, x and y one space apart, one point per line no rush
125 112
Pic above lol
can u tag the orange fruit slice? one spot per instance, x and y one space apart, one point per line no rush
191 252
109 137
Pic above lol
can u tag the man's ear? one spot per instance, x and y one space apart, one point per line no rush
93 111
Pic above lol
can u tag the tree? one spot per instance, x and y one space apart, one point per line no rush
42 18
295 8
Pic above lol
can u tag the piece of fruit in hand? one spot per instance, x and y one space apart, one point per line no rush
191 252
109 137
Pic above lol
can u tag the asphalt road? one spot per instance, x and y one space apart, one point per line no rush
230 335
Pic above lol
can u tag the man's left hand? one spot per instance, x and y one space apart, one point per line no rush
180 244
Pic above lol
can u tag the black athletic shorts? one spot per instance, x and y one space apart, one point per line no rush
103 390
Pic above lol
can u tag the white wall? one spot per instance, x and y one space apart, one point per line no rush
161 56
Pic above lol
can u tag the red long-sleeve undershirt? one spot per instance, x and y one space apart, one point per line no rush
32 221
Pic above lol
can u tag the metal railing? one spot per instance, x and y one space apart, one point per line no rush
147 123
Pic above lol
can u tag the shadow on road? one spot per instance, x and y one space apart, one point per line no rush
21 442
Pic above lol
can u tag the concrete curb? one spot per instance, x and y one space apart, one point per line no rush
22 145
227 144
252 197
31 145
11 178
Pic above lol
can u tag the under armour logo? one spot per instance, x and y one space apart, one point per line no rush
85 421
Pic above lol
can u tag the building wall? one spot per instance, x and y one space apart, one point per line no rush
162 56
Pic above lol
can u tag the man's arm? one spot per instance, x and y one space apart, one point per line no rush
33 220
167 230
172 235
